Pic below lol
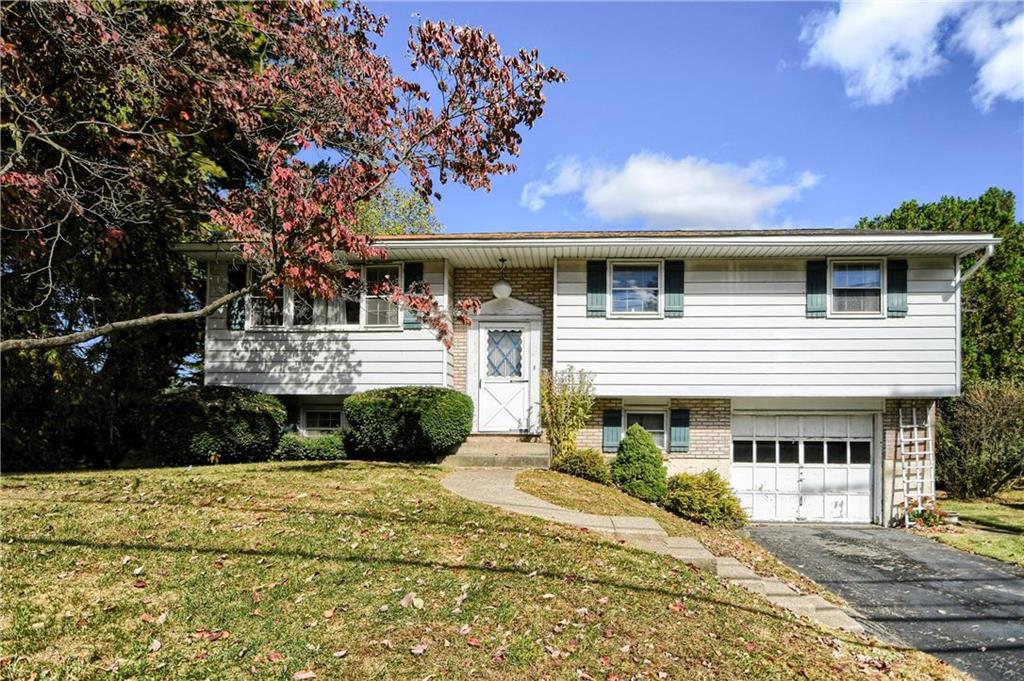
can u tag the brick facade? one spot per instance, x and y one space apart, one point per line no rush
710 434
892 479
533 286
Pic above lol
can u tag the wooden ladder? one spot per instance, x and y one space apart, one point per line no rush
917 461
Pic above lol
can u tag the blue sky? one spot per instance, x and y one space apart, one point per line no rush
739 115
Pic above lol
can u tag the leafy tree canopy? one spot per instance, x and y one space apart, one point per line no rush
993 299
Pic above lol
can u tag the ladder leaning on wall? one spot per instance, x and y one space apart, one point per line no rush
917 460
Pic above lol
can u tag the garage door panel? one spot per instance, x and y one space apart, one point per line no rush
835 480
742 477
823 483
764 478
859 480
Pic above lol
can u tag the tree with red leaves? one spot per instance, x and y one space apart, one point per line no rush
151 123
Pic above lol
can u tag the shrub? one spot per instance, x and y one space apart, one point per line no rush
215 424
637 468
295 447
417 421
981 440
566 399
588 464
704 498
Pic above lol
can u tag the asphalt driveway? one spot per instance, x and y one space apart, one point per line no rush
965 609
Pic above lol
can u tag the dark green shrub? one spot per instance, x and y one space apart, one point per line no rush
410 421
981 440
704 498
215 424
588 464
637 468
295 447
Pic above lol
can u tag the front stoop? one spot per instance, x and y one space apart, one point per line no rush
500 451
497 488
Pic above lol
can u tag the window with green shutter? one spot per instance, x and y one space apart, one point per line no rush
675 281
679 430
597 288
817 288
413 276
896 288
611 430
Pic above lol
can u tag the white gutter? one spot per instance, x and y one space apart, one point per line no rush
961 278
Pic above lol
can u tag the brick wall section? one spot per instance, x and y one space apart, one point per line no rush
892 479
533 286
710 434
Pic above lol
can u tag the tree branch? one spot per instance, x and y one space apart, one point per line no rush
128 324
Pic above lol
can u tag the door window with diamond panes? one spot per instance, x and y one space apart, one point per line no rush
504 353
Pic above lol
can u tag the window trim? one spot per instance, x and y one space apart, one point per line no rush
288 309
882 263
666 425
610 294
317 432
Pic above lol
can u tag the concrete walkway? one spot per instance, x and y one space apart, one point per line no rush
497 487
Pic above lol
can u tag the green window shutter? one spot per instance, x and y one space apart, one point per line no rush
611 422
817 288
679 430
896 285
413 274
236 308
675 276
597 288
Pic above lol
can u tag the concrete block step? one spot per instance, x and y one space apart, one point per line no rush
752 585
505 448
774 587
684 543
461 460
837 619
730 568
798 604
698 558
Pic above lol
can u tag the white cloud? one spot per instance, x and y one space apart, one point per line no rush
668 192
568 179
994 36
880 48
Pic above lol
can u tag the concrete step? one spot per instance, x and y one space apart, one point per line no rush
798 604
702 559
752 585
773 587
482 460
730 568
684 543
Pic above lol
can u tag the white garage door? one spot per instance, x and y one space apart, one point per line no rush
811 468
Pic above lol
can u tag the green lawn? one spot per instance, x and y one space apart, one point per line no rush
365 571
571 492
993 528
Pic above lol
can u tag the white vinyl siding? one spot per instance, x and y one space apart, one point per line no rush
745 334
317 360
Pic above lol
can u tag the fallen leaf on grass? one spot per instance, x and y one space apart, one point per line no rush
137 571
751 647
328 614
155 645
473 641
154 619
340 653
274 656
419 649
303 674
211 635
139 584
464 629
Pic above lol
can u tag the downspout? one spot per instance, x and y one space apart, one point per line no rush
961 278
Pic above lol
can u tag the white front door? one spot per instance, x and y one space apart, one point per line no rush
803 467
504 394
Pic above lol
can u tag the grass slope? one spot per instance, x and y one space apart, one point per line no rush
993 528
582 495
293 570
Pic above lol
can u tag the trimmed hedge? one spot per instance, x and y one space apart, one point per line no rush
704 498
588 464
637 469
215 424
295 447
421 422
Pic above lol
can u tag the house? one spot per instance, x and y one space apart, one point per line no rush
803 365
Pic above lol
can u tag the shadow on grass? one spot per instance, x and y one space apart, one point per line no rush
639 589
